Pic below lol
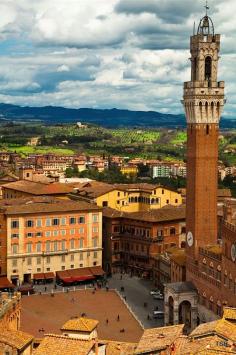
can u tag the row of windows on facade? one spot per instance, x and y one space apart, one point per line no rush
54 233
53 246
216 274
53 221
48 259
146 232
141 247
152 201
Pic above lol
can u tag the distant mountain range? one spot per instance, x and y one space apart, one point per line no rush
107 118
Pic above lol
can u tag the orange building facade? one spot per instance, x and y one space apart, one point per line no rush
45 235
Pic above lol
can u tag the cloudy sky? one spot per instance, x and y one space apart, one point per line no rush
107 53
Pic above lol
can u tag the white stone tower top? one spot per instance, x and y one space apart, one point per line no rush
204 94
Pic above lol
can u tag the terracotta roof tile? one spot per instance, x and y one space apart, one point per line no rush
169 213
15 338
158 338
119 348
31 205
38 188
63 345
80 324
229 313
221 327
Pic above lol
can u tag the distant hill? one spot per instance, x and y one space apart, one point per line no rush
106 118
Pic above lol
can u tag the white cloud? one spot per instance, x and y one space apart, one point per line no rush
99 53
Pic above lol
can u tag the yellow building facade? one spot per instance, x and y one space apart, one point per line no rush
141 197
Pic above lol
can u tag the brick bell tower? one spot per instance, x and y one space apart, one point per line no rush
203 103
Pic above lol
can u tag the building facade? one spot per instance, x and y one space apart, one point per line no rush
45 235
131 240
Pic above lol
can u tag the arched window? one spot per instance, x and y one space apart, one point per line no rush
207 129
208 63
194 69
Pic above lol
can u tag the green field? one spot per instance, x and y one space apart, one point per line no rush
24 150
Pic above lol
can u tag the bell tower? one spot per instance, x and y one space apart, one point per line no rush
203 103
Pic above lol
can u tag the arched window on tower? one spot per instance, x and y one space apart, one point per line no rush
194 69
208 64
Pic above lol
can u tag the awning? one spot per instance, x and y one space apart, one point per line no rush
5 283
81 274
64 276
49 275
39 276
97 271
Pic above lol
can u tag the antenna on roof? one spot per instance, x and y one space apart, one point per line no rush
206 7
194 28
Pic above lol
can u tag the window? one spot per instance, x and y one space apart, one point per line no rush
167 201
63 267
72 220
38 269
55 221
183 230
81 243
29 223
172 231
72 266
95 242
80 265
48 222
38 261
72 231
63 245
104 203
176 200
63 232
29 235
72 244
95 218
14 262
15 235
14 248
95 255
81 256
72 257
15 224
29 247
39 234
63 258
63 221
39 247
118 194
95 229
81 230
48 269
208 62
55 233
162 191
94 263
47 234
81 219
48 260
29 261
55 245
47 245
38 223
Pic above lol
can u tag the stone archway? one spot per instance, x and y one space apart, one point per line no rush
171 310
185 315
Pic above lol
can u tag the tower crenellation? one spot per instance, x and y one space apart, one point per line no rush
204 94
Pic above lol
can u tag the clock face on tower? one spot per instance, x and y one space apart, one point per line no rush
190 239
233 252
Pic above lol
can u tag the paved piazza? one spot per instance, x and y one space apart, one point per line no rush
49 313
